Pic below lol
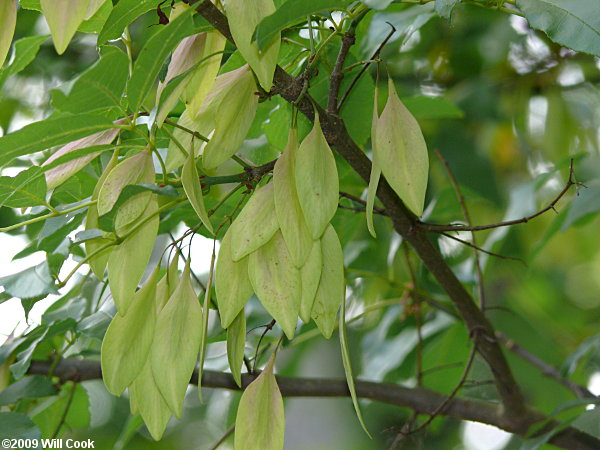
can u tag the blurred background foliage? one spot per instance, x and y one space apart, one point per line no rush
507 108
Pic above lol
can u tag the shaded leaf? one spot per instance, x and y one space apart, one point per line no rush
28 188
24 52
236 342
193 190
34 282
34 386
16 425
124 13
310 274
444 8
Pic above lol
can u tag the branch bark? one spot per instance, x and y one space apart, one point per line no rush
422 401
406 224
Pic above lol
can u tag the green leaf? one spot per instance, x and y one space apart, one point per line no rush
289 212
568 22
193 190
402 153
126 345
127 262
243 17
348 367
260 420
290 13
71 408
178 327
97 88
444 8
95 23
277 282
17 425
34 282
585 204
28 188
423 107
24 52
63 17
375 169
232 285
152 56
236 343
332 287
8 21
48 133
124 13
34 386
317 181
255 225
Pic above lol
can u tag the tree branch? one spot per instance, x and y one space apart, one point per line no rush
422 401
337 75
405 223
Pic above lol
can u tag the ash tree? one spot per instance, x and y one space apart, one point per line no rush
399 198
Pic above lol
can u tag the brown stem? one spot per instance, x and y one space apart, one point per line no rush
337 75
420 400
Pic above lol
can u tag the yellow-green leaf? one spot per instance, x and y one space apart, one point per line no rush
233 119
8 21
205 316
256 224
146 399
236 342
232 283
331 290
128 339
260 421
310 274
127 262
317 181
177 342
63 17
175 157
287 206
348 367
243 17
167 283
193 190
277 282
134 206
402 152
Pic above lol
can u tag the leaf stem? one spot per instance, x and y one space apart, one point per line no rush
55 213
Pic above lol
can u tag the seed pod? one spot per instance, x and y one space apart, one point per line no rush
255 225
375 169
146 399
233 119
193 190
233 286
402 152
63 17
8 21
243 17
331 290
167 284
236 342
310 274
317 181
260 420
177 342
276 282
127 262
289 213
127 342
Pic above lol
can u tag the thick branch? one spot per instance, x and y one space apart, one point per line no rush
423 401
405 223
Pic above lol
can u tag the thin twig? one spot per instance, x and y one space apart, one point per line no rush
63 418
337 75
438 228
545 368
364 68
497 255
268 328
226 435
467 216
360 201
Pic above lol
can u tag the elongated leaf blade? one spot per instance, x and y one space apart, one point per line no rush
63 17
236 343
124 13
48 133
567 22
290 13
310 274
8 21
193 190
24 51
28 188
152 56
